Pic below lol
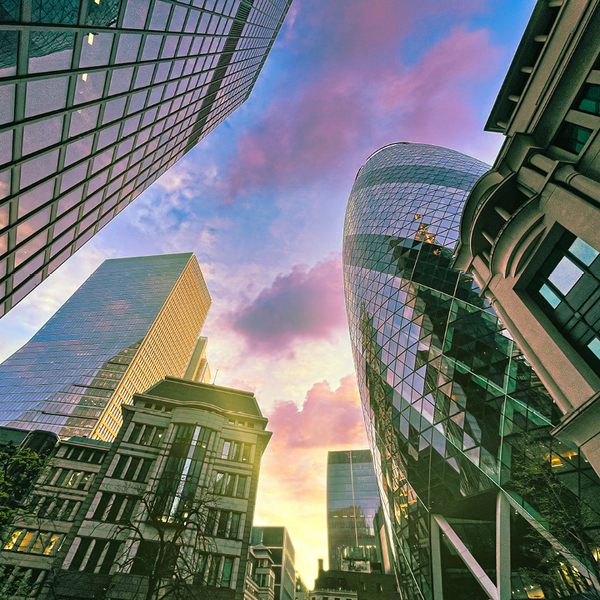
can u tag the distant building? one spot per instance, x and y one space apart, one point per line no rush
164 501
530 233
132 322
98 100
279 543
352 503
260 576
302 591
334 594
353 585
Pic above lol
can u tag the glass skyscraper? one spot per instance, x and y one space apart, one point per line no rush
479 499
132 322
98 98
352 503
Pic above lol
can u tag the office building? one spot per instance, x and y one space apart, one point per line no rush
334 584
132 322
279 543
457 420
352 503
530 234
116 519
98 98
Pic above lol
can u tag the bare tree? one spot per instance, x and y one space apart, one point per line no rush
568 518
166 547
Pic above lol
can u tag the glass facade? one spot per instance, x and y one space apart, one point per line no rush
453 411
352 503
132 322
98 98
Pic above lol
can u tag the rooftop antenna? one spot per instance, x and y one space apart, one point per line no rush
217 372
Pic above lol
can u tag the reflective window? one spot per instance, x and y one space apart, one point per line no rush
152 47
36 137
68 201
9 45
567 289
6 149
160 15
73 177
114 110
95 50
572 137
83 120
38 168
30 248
63 13
79 149
108 136
589 101
33 224
144 76
36 197
89 86
50 51
7 103
120 81
129 44
46 95
565 275
135 14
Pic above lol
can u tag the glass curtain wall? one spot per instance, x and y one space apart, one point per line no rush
453 411
98 98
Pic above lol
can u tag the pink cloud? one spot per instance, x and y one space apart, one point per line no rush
302 304
352 94
296 458
431 101
327 418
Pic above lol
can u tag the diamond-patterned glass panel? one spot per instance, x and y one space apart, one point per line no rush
447 396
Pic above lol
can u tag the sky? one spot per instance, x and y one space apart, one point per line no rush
261 202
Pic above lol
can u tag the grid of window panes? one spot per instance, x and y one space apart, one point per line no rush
352 502
567 287
98 98
444 389
166 348
86 360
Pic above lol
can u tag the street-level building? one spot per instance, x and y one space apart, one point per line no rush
530 233
99 98
132 322
167 506
279 543
260 574
335 584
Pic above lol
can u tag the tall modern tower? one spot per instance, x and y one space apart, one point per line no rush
132 322
352 503
457 421
98 98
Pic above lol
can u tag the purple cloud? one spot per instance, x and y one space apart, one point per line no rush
302 304
348 93
328 418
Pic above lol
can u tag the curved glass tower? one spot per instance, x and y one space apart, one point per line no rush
446 392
